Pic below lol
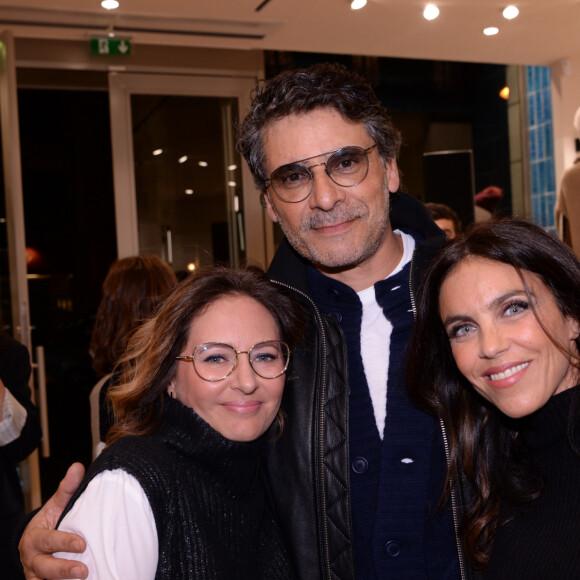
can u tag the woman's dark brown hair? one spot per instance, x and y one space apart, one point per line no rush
483 447
131 291
150 363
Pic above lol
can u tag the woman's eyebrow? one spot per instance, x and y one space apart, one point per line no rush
495 303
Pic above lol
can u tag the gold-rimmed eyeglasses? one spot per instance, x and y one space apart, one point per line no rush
215 361
347 167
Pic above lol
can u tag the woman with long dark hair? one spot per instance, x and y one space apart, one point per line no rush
495 354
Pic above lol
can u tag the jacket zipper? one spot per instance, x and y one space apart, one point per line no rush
453 503
320 425
445 442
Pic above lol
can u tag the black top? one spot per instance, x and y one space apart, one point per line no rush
544 542
209 504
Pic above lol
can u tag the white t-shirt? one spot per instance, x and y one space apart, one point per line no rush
375 344
114 516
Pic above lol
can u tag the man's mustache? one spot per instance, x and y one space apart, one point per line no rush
333 217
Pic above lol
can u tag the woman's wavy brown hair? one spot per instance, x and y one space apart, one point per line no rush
132 290
483 447
150 362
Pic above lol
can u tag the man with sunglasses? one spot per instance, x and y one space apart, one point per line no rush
357 475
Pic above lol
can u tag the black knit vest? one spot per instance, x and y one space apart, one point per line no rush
207 498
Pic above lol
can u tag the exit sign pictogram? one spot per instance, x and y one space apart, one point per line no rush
110 45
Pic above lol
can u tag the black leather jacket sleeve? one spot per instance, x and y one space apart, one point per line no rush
306 466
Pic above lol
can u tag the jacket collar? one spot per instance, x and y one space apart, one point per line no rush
407 213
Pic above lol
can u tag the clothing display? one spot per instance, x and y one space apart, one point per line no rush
543 541
407 538
206 500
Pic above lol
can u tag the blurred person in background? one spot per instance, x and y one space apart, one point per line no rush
132 290
567 209
20 435
445 218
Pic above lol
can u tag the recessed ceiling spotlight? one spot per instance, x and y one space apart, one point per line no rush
510 12
189 191
491 31
505 93
358 4
232 183
431 12
182 159
202 163
110 4
232 167
157 152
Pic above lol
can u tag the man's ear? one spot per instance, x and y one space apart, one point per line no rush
393 177
266 203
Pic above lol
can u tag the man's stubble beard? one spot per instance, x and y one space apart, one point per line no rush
328 259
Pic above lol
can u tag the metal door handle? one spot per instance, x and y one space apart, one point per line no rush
42 402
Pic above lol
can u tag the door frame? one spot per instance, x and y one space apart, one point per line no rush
13 187
16 238
259 240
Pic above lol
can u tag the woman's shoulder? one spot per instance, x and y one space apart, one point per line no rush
144 457
132 450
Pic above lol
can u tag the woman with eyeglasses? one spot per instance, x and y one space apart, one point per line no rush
177 494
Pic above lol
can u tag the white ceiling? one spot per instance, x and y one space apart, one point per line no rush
546 31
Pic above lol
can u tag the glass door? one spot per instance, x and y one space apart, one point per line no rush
181 189
14 314
57 236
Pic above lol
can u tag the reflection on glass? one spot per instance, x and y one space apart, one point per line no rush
185 196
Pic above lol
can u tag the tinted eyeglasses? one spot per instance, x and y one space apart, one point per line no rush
215 361
346 167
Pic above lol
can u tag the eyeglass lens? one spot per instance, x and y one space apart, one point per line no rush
215 361
346 167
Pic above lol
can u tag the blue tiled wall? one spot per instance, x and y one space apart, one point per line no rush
541 145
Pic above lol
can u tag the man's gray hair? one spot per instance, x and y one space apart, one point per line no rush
296 92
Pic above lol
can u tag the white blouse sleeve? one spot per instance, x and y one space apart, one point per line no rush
114 516
12 419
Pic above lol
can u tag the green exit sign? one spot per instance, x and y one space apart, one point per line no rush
107 45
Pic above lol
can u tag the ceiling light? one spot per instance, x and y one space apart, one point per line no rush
232 183
202 163
505 93
158 152
189 191
510 12
431 12
358 4
490 31
110 4
191 267
232 167
182 159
